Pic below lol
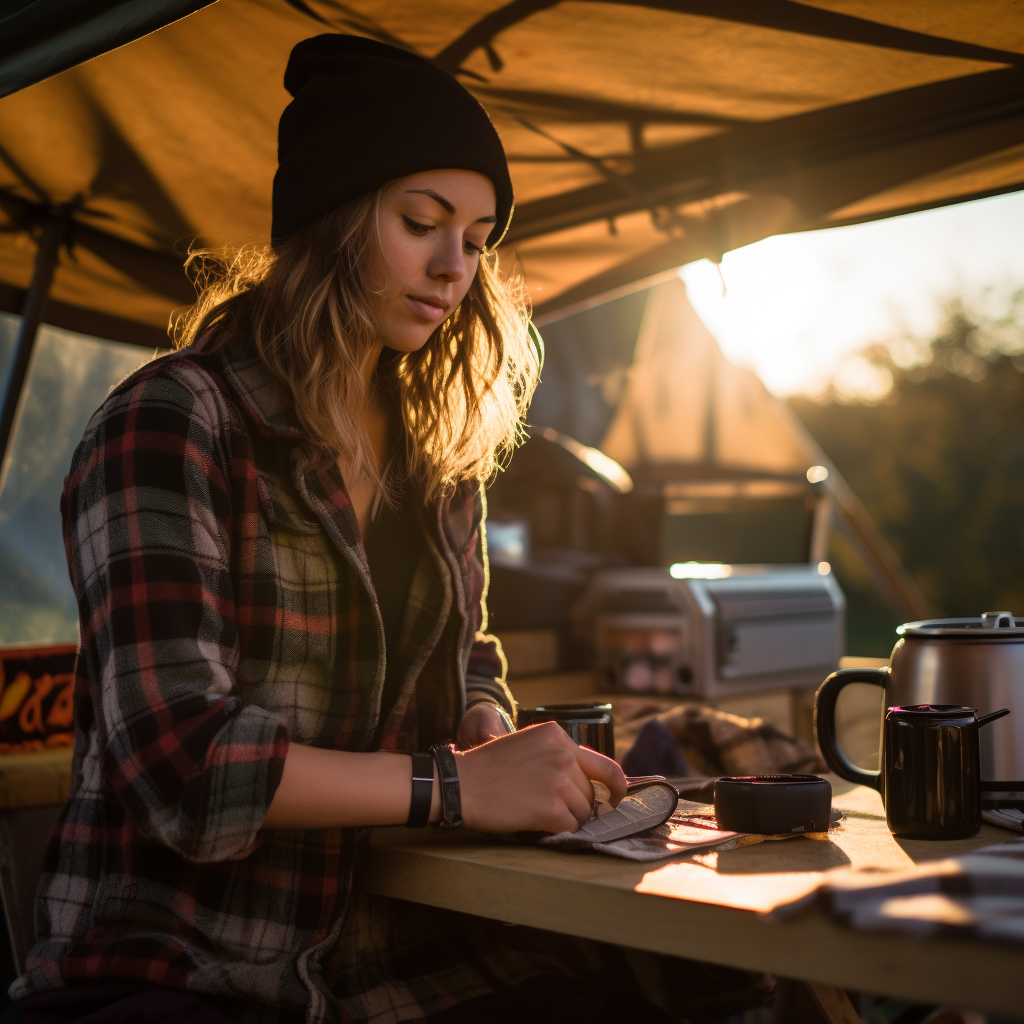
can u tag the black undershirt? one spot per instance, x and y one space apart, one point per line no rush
393 542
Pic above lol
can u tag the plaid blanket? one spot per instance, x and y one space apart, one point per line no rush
713 742
977 895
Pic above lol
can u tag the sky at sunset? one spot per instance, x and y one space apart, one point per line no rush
797 305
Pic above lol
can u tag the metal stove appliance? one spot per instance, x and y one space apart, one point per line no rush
745 629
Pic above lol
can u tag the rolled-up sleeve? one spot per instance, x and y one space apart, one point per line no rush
147 525
486 668
485 677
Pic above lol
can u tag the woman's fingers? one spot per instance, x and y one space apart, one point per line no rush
602 769
561 820
534 779
584 795
571 787
580 804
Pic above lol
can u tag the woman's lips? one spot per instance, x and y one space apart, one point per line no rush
426 308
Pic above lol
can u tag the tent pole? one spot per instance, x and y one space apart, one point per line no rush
31 316
894 583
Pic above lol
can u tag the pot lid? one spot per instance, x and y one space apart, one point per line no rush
931 711
989 626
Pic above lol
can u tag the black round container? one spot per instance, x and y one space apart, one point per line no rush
590 725
770 805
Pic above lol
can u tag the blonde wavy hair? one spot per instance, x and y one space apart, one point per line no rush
307 308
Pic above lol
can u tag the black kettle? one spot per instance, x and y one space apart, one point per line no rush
930 765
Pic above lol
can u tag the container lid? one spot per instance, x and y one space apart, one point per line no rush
932 710
568 710
771 780
990 626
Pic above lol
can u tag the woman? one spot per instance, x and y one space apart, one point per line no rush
271 534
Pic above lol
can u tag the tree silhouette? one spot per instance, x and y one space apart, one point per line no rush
939 463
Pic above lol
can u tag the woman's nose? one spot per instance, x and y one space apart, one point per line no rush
447 261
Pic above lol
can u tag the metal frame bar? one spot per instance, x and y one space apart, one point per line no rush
897 587
54 233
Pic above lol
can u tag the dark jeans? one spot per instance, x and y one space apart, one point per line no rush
120 1003
557 1000
539 1001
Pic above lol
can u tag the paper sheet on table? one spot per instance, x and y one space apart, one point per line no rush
692 827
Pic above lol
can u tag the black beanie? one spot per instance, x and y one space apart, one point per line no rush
365 113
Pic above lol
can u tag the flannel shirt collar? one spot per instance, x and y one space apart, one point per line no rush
265 399
272 408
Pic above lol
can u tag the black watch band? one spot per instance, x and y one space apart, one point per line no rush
422 790
448 773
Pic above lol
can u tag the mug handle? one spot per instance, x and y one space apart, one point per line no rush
825 723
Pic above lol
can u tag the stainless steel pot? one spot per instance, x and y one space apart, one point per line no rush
977 663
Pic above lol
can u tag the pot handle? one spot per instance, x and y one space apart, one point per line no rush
825 723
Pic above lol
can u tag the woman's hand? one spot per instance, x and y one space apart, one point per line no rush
534 780
480 724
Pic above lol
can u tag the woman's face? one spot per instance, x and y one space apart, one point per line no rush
432 228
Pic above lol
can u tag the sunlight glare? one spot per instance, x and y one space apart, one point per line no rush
699 571
798 306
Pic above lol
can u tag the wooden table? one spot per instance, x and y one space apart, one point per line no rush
33 789
706 906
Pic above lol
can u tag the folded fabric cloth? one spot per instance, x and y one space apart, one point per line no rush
976 895
692 827
712 742
1004 817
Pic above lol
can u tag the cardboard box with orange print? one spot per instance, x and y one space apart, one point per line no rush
36 697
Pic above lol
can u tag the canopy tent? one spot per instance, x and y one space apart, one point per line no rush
641 133
687 409
688 414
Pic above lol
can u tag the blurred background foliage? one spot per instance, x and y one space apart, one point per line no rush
938 459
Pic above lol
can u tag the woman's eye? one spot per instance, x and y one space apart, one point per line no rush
415 226
471 248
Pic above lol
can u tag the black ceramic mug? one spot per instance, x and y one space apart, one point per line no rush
590 725
930 775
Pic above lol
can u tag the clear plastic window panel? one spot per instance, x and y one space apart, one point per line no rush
69 377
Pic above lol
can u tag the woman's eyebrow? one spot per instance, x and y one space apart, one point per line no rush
433 195
446 204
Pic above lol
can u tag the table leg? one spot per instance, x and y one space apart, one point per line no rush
834 1004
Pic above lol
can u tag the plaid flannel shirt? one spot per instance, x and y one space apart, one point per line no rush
226 609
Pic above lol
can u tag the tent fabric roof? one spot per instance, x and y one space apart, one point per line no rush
686 405
641 134
697 429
